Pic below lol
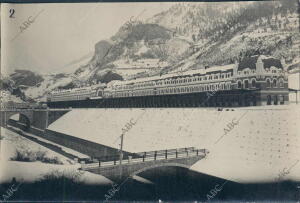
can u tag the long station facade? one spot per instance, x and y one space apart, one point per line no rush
255 81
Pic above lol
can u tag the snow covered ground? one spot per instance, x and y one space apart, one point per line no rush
67 150
32 171
12 142
264 142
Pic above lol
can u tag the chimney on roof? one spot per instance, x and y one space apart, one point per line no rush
206 67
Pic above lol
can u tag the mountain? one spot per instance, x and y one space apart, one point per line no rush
224 33
134 44
195 19
195 35
186 36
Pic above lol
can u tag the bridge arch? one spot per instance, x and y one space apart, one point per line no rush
21 118
158 166
25 120
24 117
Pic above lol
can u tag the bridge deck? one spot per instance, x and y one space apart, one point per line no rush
148 156
118 170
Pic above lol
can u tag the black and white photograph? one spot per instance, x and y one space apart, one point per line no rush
150 102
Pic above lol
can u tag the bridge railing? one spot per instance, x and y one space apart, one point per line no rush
149 156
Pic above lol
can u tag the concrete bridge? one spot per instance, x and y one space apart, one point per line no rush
38 118
120 170
117 169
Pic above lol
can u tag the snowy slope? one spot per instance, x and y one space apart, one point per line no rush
246 154
24 170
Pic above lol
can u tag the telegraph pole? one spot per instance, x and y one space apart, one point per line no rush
121 155
298 87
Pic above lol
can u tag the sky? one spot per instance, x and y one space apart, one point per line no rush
58 34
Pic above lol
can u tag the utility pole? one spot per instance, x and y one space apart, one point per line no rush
298 87
5 121
121 155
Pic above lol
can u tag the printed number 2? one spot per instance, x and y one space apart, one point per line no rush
12 12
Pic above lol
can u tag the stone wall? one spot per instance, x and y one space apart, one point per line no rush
89 148
84 146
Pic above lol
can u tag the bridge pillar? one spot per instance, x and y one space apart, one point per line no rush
4 119
47 118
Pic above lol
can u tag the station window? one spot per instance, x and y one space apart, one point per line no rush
239 84
268 83
253 83
280 82
274 83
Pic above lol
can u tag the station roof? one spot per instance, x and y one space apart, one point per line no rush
202 71
268 62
